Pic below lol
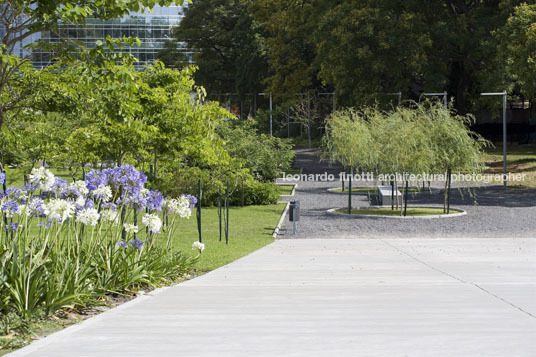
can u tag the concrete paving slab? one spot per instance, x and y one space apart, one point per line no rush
358 297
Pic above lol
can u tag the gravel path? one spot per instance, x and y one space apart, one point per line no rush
499 213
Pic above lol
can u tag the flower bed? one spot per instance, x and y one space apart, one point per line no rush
69 244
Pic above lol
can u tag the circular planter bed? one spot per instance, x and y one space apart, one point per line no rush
413 212
372 190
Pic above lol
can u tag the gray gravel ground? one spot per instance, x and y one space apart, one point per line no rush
499 212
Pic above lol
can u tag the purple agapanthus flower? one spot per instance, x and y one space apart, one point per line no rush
70 192
13 227
126 177
136 243
13 192
29 187
110 205
35 207
155 200
122 244
11 207
193 200
59 185
134 199
2 178
96 178
45 225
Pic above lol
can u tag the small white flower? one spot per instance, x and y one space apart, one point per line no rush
81 201
43 177
130 228
103 192
153 222
80 186
199 246
88 216
181 206
59 210
23 210
110 215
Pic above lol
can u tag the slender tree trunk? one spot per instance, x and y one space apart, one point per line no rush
445 193
406 198
392 195
449 173
350 191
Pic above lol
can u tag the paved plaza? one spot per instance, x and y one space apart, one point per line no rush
331 297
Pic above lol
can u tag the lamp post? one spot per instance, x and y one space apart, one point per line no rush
503 94
443 94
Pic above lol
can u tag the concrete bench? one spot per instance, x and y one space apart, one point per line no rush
384 195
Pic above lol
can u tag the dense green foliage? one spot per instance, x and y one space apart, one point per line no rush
227 45
363 50
157 120
518 48
44 16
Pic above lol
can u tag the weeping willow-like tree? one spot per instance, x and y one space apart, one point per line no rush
456 148
349 140
412 139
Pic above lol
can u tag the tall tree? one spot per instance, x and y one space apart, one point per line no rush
292 59
227 45
365 49
20 19
518 49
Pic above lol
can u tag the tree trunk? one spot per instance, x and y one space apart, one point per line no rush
350 191
406 198
449 173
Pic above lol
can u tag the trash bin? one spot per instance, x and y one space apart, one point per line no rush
294 211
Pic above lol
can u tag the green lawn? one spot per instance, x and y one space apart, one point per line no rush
15 177
412 211
250 228
521 159
285 189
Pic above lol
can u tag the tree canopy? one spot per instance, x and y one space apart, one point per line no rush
362 50
227 45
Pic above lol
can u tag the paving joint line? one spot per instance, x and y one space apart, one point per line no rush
457 278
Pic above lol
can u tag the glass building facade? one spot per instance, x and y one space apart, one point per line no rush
152 28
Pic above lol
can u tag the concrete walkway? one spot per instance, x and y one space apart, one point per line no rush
333 297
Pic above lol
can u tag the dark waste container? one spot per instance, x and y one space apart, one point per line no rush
294 211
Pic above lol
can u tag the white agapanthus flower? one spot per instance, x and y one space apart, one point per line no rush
88 216
130 228
103 192
153 222
23 210
110 215
81 201
43 178
199 246
59 210
81 187
181 206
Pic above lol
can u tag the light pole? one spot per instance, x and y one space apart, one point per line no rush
444 95
504 132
